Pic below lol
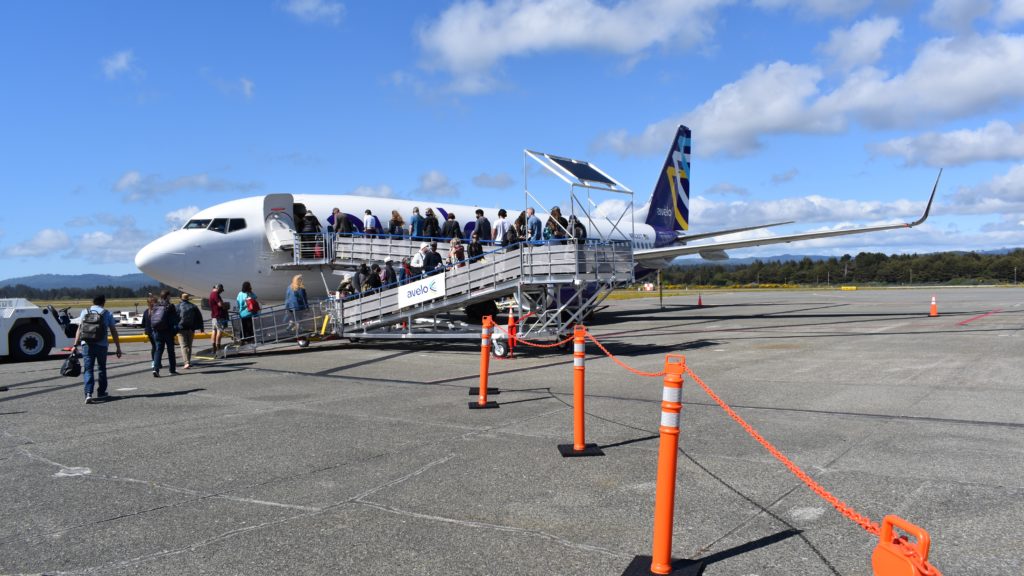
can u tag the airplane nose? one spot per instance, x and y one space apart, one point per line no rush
159 262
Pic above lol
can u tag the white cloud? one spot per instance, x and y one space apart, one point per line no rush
471 37
725 188
118 64
46 242
957 15
79 222
106 247
998 140
381 191
247 87
1010 12
178 217
785 176
316 10
499 181
137 187
766 100
713 214
613 209
984 78
1003 194
816 7
434 183
861 44
784 98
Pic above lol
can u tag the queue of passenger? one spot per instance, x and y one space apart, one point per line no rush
527 226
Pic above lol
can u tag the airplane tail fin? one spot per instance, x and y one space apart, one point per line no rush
670 203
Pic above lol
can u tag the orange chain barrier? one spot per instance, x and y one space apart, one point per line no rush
520 340
919 562
623 364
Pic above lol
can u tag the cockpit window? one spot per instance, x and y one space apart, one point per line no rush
219 225
236 224
197 224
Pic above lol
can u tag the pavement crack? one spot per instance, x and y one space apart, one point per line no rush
496 527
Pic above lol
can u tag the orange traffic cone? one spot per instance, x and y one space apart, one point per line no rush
700 303
935 309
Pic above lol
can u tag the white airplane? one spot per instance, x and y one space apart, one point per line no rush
242 240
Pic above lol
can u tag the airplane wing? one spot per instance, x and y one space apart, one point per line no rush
684 238
716 250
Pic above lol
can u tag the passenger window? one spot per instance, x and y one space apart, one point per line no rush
219 225
197 224
236 224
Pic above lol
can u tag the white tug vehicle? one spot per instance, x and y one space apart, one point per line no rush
30 332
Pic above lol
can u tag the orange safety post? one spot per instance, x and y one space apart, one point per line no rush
660 561
934 309
485 362
895 556
511 334
579 447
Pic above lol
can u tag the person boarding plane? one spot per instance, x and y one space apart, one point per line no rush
245 239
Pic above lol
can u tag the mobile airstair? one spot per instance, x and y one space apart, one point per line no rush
547 286
552 285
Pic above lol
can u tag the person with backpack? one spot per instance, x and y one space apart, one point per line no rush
191 319
94 323
431 227
164 322
248 306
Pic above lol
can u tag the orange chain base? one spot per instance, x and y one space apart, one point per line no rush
866 523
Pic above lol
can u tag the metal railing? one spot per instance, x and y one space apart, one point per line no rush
274 324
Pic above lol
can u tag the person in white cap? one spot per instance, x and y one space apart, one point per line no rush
418 259
390 276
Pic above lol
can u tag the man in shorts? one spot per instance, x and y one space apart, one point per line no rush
218 317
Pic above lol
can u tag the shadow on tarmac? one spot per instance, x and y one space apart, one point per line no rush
154 395
751 546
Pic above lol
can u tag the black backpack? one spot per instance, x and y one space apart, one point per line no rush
93 328
191 319
159 318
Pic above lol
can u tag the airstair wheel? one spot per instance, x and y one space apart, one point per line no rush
499 347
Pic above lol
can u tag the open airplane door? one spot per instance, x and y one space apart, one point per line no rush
278 222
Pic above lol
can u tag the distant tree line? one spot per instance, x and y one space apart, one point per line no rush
23 291
864 268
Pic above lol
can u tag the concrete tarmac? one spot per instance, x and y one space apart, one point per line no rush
363 459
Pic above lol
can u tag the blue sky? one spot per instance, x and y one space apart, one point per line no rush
121 119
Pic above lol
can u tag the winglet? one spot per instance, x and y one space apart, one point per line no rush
928 208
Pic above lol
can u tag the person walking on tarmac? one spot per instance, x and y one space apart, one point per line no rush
93 325
248 306
147 328
218 317
164 320
190 320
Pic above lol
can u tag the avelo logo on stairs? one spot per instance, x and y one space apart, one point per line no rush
422 290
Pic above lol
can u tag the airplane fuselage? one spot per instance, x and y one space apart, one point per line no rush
195 257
